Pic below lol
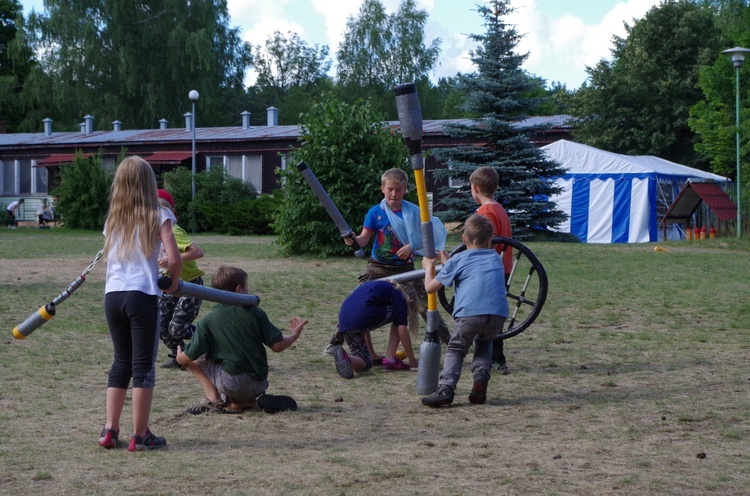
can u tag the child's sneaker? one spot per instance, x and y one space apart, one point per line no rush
478 395
395 364
501 367
108 438
442 396
343 362
148 442
336 340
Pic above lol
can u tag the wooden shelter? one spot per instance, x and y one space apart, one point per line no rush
720 208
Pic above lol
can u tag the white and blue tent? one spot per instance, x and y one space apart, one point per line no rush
614 198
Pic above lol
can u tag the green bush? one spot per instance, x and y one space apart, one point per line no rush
348 154
223 204
83 194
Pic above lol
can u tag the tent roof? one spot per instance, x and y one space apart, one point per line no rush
583 159
690 198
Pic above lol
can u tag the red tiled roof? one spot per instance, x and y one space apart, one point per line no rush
168 157
692 194
59 159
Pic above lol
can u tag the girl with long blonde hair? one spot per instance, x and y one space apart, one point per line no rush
134 228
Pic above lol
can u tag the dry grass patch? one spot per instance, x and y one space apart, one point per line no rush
634 380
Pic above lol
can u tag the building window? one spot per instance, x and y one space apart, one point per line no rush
24 169
252 171
20 177
455 183
8 179
213 162
41 180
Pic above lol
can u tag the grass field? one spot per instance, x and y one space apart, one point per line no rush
634 380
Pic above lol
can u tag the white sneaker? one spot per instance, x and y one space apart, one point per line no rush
328 350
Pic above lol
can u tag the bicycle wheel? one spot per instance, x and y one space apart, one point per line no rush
526 287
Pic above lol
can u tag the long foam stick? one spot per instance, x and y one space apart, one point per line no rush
412 275
330 207
410 120
211 294
46 312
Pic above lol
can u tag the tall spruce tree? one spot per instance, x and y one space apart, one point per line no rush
500 93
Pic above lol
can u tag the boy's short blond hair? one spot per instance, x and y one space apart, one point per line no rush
478 230
486 179
394 176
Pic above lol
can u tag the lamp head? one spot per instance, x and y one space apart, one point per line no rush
738 55
194 95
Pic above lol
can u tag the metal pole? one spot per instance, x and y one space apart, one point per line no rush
193 176
737 137
738 55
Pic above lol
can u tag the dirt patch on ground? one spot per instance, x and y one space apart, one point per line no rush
67 269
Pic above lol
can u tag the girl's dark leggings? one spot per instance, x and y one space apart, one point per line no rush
132 318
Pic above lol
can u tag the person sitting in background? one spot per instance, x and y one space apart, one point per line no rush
44 214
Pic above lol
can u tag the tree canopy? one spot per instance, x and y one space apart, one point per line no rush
381 50
137 61
16 62
712 119
639 101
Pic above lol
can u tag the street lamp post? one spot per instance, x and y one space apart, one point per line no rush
193 95
738 57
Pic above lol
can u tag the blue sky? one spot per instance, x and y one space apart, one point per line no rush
562 37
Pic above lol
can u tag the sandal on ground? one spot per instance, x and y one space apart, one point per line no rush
206 407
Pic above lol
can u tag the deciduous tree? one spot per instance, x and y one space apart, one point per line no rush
713 118
290 76
638 103
381 50
16 61
348 148
136 61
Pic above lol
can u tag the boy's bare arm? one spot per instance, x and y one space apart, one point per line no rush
181 358
404 253
193 252
431 285
297 324
362 239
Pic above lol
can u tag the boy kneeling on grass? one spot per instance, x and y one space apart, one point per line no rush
227 354
479 312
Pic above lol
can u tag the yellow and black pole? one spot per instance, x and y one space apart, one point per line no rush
410 120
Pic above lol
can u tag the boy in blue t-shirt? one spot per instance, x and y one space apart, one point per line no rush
479 311
395 228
